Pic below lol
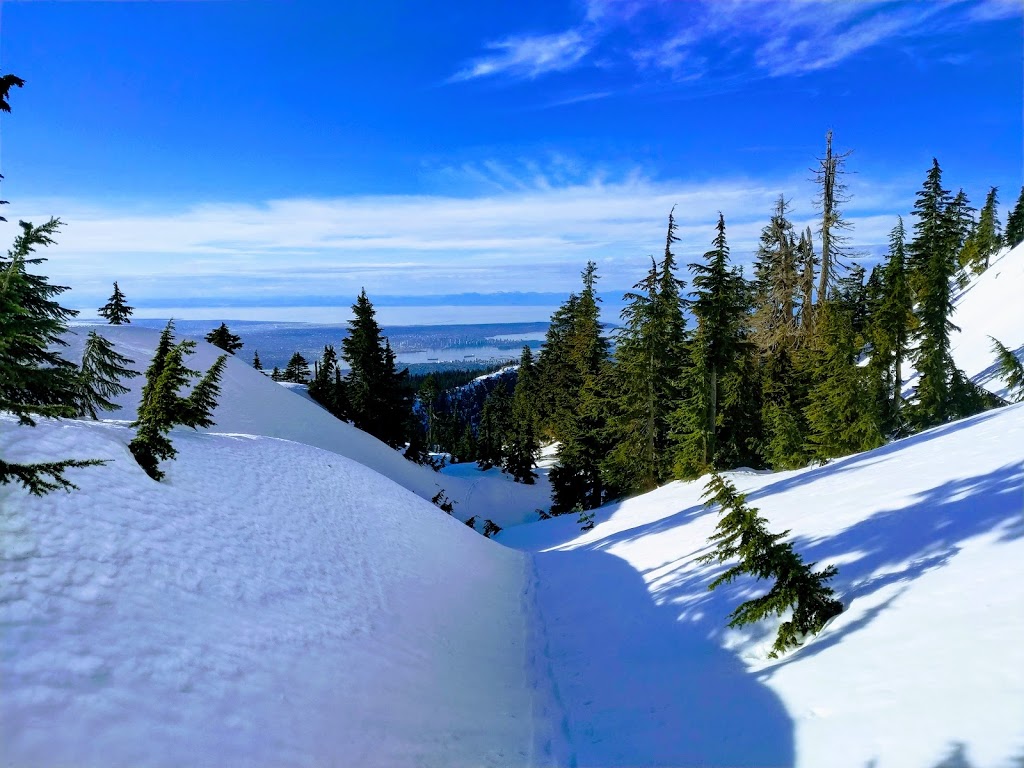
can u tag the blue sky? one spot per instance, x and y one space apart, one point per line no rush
287 153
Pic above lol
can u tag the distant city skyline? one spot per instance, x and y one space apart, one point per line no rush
252 155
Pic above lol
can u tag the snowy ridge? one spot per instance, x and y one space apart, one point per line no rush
253 404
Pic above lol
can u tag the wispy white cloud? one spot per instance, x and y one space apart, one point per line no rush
534 238
786 37
528 56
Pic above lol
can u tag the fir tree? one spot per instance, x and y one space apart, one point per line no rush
832 194
743 534
35 381
932 257
776 284
326 387
987 237
839 414
493 429
378 398
256 364
1010 368
99 377
465 448
116 311
297 370
889 331
719 305
1015 223
162 406
523 442
225 339
275 374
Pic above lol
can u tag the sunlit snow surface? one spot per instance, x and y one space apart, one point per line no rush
277 602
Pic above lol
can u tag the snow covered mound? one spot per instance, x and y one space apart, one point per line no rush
928 536
991 305
269 604
253 404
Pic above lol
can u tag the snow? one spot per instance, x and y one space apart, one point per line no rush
270 604
288 597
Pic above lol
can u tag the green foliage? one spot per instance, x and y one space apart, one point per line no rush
522 441
116 311
99 378
839 414
492 432
256 364
742 534
986 239
327 386
378 398
1010 368
35 381
162 407
297 370
1015 223
225 339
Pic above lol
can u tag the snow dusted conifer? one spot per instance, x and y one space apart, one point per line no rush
116 311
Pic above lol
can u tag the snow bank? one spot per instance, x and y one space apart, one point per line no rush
270 604
928 535
253 404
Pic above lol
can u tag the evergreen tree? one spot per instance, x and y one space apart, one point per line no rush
428 395
116 311
719 305
839 413
1010 368
35 381
256 364
776 284
889 328
523 441
807 262
465 449
743 534
559 380
275 374
99 378
493 429
832 194
578 478
932 257
378 398
225 339
297 370
162 406
851 295
326 386
1015 223
987 238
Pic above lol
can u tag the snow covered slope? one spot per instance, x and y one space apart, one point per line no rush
992 305
928 535
269 604
254 405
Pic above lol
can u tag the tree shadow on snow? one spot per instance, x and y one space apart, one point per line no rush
631 685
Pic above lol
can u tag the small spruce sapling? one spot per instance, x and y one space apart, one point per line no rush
1010 368
222 337
743 534
441 500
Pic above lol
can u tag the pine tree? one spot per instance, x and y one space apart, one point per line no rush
932 258
256 364
1010 368
162 407
807 262
465 449
297 370
225 339
889 330
743 534
523 442
492 432
378 398
326 387
776 284
99 377
1015 223
719 305
116 311
832 194
275 374
578 477
987 238
35 381
839 413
